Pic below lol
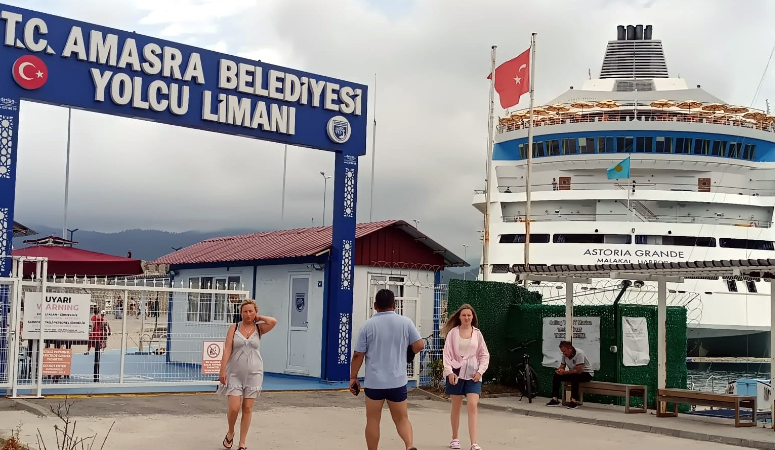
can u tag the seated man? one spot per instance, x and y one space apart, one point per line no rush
574 368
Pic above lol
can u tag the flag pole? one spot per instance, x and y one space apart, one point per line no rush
529 148
486 246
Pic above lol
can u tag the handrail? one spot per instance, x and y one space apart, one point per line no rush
644 211
624 217
596 116
607 185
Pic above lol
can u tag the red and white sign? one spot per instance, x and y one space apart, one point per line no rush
212 353
30 72
57 361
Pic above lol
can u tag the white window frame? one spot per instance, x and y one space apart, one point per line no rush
229 306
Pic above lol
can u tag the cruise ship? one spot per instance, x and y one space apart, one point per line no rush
701 187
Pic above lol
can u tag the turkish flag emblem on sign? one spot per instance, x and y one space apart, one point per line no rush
512 79
30 72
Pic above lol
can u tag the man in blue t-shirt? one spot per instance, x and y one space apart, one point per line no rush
383 341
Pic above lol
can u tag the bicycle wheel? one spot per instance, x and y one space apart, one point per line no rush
527 382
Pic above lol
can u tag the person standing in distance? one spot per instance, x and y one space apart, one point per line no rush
384 341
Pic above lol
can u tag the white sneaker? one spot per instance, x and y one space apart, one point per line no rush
475 447
455 443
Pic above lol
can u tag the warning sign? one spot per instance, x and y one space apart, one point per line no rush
57 361
212 352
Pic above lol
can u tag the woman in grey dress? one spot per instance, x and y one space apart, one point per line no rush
242 369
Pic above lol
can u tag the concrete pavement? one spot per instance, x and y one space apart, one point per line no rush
320 420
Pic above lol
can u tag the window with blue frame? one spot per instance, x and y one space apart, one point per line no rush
736 148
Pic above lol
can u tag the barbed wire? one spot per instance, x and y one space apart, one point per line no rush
604 292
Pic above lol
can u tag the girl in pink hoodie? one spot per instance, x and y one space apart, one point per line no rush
465 360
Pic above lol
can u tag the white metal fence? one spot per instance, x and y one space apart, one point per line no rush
140 336
434 344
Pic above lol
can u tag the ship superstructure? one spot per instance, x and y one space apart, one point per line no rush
701 186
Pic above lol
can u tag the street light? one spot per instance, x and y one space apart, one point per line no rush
465 257
325 188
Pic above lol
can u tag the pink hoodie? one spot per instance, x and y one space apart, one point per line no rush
475 359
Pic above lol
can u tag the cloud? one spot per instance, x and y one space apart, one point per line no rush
431 58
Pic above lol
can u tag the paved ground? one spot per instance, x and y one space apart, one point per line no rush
320 420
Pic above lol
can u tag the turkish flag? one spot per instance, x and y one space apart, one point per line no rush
512 79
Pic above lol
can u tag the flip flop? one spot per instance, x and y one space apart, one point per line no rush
226 440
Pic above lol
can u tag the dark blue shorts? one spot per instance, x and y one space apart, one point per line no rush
395 395
463 387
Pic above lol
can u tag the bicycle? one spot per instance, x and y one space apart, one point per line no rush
527 381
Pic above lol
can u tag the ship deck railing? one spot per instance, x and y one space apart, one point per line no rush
624 217
648 115
607 186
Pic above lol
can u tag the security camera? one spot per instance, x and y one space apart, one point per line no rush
638 283
557 211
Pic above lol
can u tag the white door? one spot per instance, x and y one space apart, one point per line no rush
297 331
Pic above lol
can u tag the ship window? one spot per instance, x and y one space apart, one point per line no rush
605 144
522 154
586 145
748 151
689 241
552 147
731 285
624 144
538 148
592 238
749 244
644 144
719 148
569 146
664 145
751 286
520 238
683 145
701 146
735 149
684 241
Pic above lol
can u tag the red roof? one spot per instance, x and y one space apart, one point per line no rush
283 244
75 261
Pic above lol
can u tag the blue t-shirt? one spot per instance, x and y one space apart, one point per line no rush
384 339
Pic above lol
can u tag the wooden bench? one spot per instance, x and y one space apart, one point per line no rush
685 396
612 389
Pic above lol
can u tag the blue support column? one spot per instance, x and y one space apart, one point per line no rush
9 132
341 276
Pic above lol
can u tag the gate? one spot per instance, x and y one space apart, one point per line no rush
143 334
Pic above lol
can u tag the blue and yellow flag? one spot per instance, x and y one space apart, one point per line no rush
621 170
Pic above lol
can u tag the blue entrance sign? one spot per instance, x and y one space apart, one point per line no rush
54 60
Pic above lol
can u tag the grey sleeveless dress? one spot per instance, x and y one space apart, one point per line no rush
245 369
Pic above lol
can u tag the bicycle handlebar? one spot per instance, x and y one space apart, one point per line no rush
525 344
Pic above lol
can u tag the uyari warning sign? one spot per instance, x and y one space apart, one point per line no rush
212 352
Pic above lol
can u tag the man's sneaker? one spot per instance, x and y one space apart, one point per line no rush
455 443
553 402
572 405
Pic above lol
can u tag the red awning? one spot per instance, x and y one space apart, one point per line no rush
75 261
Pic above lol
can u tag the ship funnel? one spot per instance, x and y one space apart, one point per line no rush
647 33
621 33
630 33
638 32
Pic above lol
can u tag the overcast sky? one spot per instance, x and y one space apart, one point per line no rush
431 58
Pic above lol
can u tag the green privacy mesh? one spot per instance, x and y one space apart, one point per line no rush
510 315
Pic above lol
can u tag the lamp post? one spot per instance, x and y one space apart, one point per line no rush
465 257
325 188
